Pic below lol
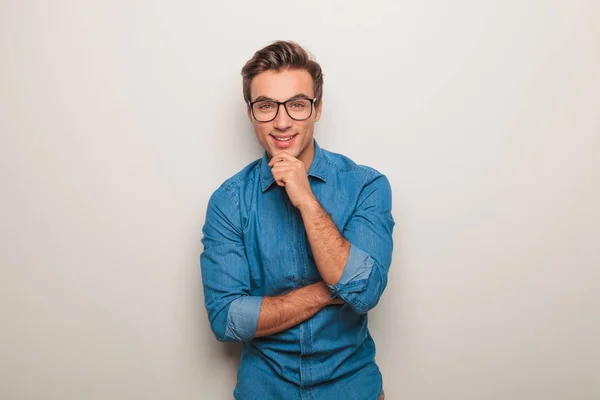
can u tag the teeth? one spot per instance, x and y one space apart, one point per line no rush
283 139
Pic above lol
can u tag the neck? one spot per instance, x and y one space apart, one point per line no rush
308 155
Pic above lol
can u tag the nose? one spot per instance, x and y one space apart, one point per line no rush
283 120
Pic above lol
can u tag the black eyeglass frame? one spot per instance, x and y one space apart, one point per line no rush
279 103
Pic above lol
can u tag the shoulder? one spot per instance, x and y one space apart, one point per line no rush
370 189
346 167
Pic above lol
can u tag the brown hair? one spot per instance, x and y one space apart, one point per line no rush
281 55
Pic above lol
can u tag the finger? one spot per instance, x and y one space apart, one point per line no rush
281 181
284 164
284 154
282 169
281 156
283 174
276 159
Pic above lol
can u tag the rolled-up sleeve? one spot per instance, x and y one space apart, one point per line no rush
369 232
232 311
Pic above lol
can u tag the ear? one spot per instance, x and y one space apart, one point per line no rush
318 110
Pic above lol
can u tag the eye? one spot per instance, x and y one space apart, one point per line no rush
265 106
297 104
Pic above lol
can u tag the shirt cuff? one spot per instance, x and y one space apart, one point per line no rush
242 318
356 273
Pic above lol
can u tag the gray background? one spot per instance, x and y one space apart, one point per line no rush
118 119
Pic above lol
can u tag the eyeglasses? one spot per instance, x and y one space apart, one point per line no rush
267 110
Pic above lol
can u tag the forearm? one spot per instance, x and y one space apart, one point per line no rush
278 313
330 249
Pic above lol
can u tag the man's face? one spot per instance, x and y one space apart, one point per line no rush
282 86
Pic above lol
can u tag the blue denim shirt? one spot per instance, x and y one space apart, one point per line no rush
255 245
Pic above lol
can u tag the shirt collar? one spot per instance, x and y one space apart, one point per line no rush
317 168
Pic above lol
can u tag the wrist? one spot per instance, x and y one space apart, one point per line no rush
309 205
323 293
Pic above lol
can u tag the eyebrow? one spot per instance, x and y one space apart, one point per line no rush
294 97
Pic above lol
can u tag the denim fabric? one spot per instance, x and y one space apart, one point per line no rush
255 245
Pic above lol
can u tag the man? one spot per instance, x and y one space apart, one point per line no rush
297 247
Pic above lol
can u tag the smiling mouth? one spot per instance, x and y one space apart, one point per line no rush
283 139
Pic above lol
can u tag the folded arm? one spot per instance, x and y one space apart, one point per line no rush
279 313
354 263
234 314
